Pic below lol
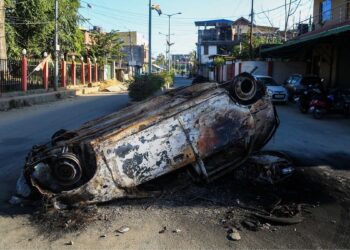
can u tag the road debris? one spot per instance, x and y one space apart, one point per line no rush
163 230
252 225
207 129
123 229
177 231
70 243
234 235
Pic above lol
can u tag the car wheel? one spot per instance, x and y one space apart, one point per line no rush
245 89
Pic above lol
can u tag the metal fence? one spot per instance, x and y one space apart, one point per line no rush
78 73
69 74
10 75
35 78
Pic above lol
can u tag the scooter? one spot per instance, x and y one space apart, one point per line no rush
309 94
337 102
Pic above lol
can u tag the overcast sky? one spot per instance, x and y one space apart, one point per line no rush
132 15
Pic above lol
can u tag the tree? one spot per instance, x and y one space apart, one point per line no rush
242 51
290 7
193 62
105 45
160 60
30 25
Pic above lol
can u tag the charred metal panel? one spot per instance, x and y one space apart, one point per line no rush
107 158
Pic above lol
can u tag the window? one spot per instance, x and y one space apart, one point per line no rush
325 11
206 50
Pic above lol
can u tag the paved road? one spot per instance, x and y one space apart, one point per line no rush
21 129
326 141
314 142
182 82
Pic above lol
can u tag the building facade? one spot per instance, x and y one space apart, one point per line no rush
135 50
325 46
219 37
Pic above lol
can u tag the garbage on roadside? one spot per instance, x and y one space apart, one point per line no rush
207 129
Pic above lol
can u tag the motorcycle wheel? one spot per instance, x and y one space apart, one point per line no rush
318 114
302 109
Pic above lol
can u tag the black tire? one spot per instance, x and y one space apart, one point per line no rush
302 108
246 90
318 114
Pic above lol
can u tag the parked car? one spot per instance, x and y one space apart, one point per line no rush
297 83
276 91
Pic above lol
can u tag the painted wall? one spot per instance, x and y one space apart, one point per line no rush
212 50
280 70
248 66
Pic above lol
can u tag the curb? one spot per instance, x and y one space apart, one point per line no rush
29 100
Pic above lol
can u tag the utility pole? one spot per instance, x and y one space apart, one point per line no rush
251 31
131 63
169 48
57 48
169 38
150 38
3 47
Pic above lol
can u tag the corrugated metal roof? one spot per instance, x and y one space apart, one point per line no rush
308 39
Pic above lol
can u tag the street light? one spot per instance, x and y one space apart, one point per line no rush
169 40
167 51
151 7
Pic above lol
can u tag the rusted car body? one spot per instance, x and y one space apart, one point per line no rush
208 128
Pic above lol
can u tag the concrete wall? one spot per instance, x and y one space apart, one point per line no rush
248 66
212 50
282 70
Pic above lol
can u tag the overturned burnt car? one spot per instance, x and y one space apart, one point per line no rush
208 128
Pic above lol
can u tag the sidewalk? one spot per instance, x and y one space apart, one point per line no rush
13 100
20 99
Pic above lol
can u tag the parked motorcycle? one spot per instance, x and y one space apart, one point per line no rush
337 102
309 94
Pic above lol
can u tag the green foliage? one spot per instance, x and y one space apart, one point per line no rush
160 60
31 25
242 51
106 45
219 60
146 85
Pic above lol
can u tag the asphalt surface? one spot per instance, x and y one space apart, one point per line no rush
309 141
22 128
313 142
